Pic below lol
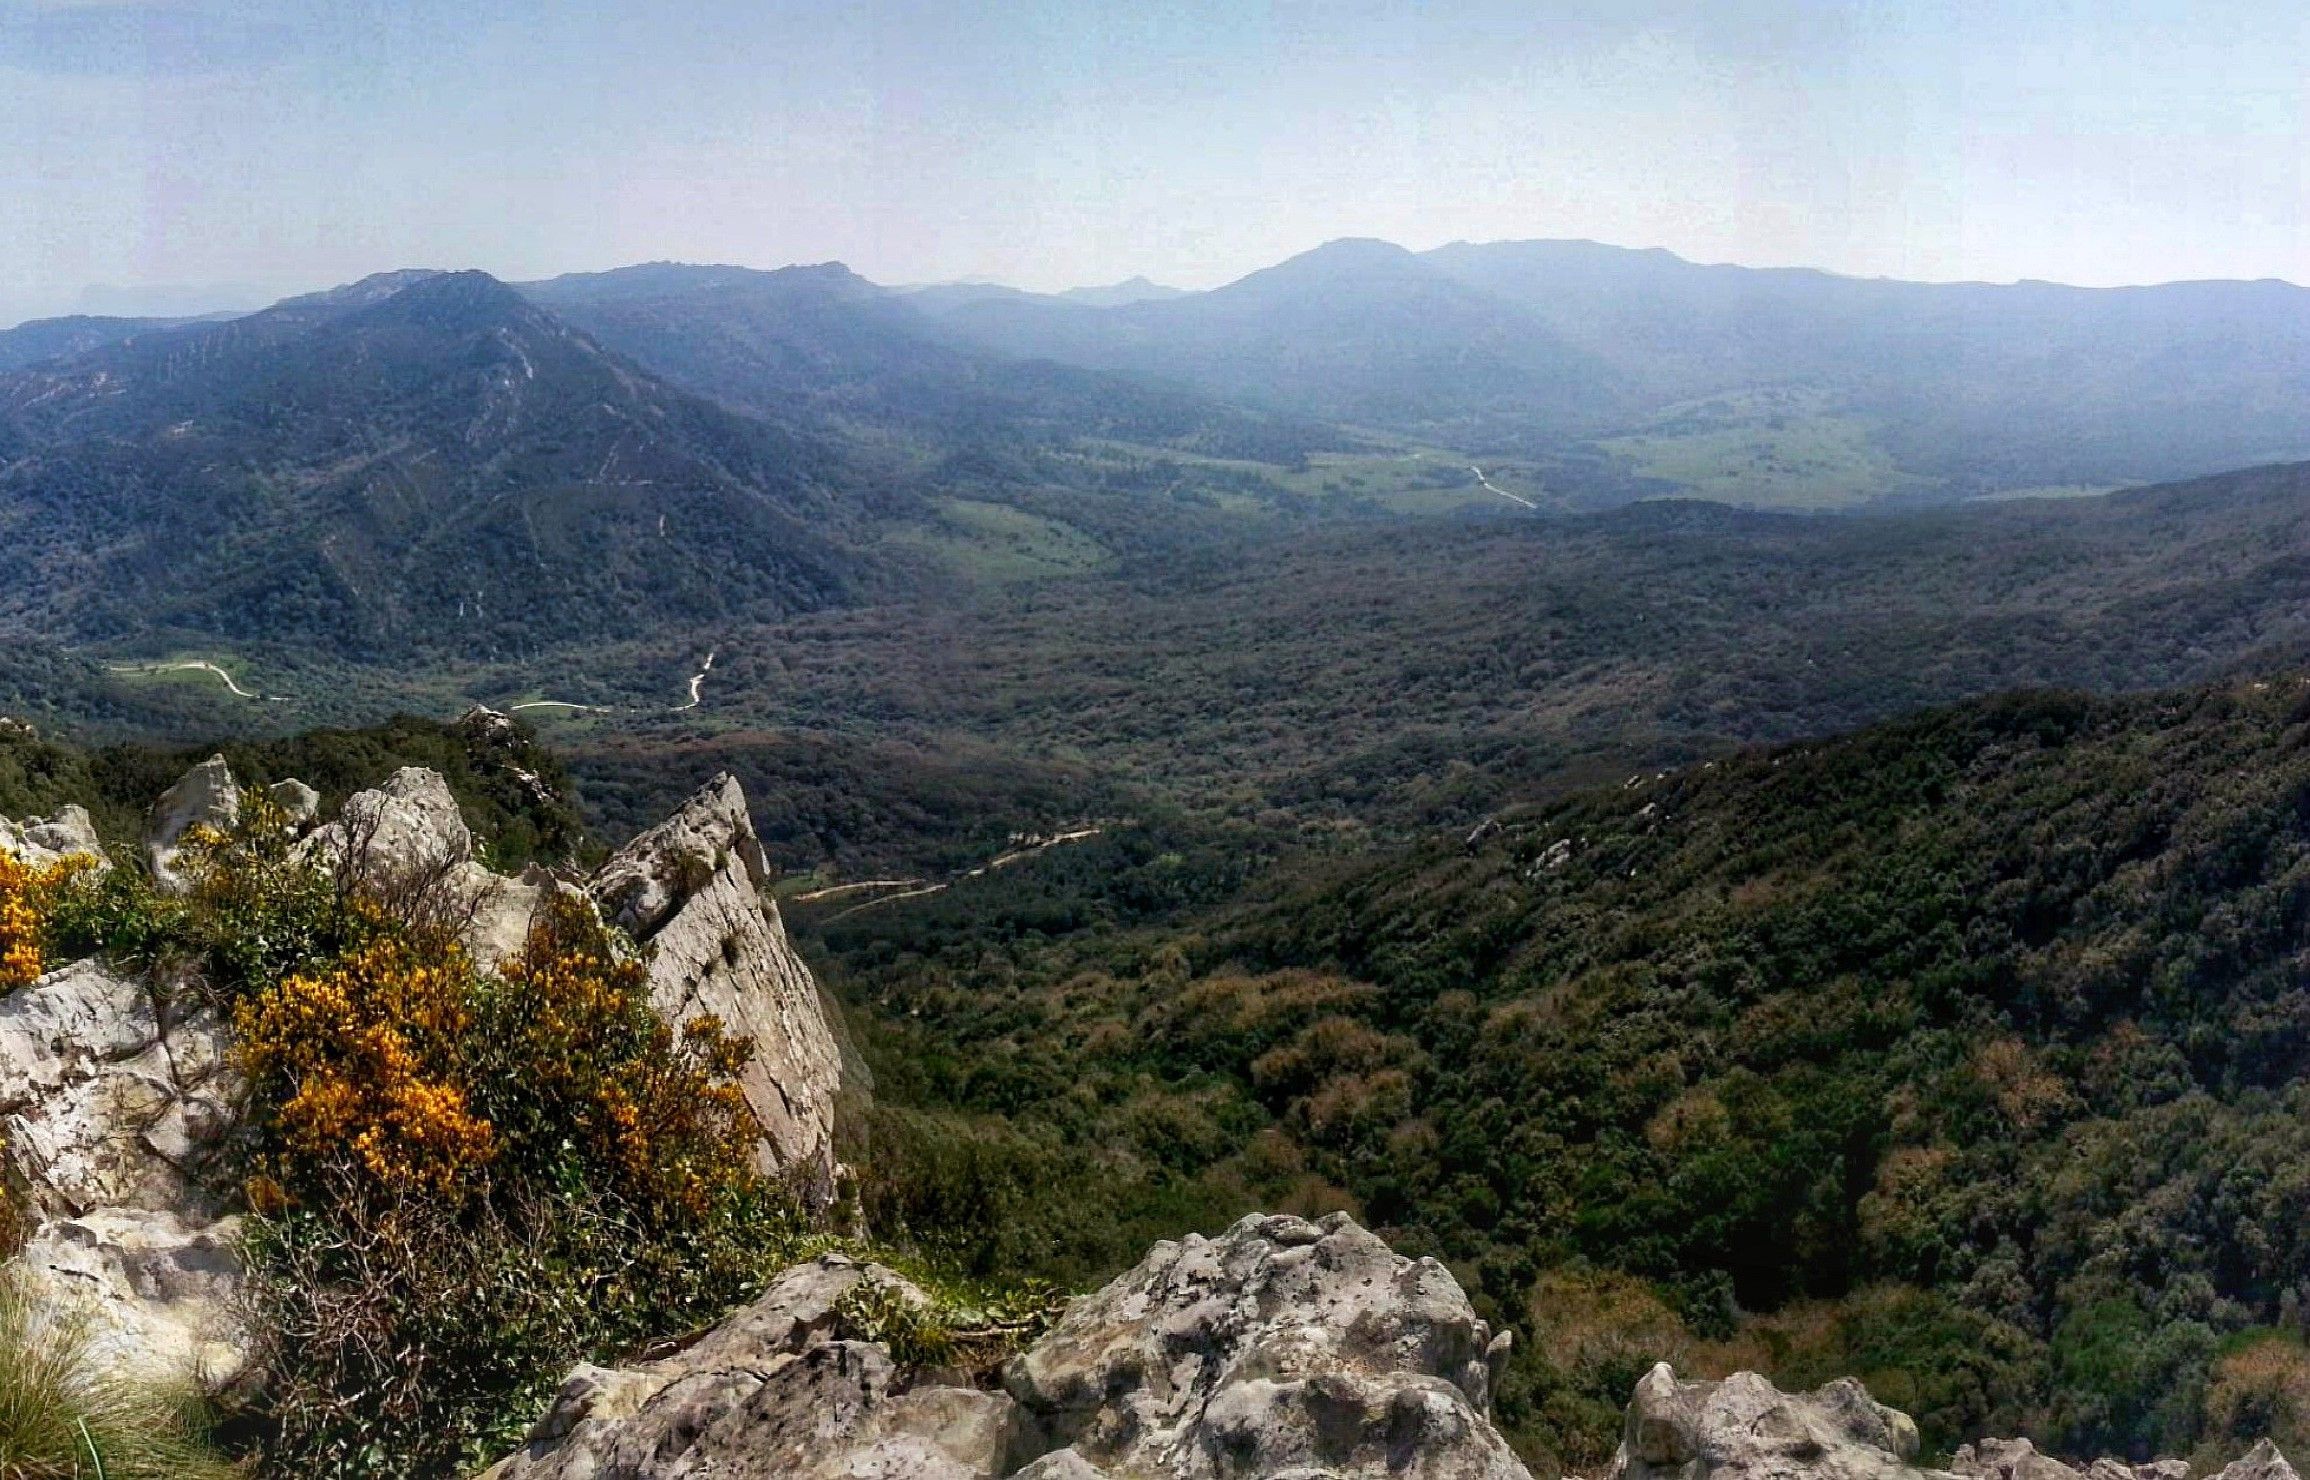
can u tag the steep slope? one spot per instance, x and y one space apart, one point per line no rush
1965 1054
822 340
420 461
1357 330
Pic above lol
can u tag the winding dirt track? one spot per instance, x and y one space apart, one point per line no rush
195 665
917 888
1490 486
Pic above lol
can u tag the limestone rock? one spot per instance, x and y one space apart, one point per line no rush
112 1102
301 802
690 889
772 1392
407 825
651 877
45 841
1282 1347
2018 1459
410 832
103 1101
160 1291
206 796
1744 1428
2262 1462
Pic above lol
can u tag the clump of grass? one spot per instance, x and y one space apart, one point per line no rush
63 1417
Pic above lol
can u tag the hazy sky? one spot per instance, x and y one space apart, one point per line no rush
244 148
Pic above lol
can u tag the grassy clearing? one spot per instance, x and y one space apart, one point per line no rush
996 544
1768 449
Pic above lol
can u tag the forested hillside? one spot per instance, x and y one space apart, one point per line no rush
1962 1054
420 463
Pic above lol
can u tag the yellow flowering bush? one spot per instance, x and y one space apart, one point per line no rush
577 1057
27 895
368 1058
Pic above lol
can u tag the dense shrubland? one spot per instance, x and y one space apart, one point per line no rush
1962 1054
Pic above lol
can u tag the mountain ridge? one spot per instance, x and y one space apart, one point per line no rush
370 461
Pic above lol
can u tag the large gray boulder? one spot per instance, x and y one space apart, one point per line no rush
1744 1428
408 825
204 797
1281 1347
407 837
114 1097
690 890
774 1392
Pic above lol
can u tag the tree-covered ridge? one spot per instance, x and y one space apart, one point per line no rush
1961 1053
515 794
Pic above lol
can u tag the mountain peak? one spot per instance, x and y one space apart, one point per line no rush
1351 261
1116 295
375 288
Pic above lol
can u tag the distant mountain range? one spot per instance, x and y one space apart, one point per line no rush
1968 388
440 461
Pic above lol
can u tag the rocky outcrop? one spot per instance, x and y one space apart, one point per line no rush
113 1096
690 890
115 1090
44 842
1282 1348
775 1391
2018 1459
206 796
297 801
1744 1428
408 838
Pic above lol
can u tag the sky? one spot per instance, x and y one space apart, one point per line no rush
182 154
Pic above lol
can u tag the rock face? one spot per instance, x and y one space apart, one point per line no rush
112 1097
1744 1428
408 832
115 1090
775 1391
1283 1348
690 889
2018 1459
207 796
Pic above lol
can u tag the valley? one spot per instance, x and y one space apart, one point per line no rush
1646 783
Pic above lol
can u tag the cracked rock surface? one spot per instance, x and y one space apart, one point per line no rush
1282 1348
690 890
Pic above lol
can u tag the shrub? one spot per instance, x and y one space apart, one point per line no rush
472 1180
362 1070
27 897
574 1067
63 1418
